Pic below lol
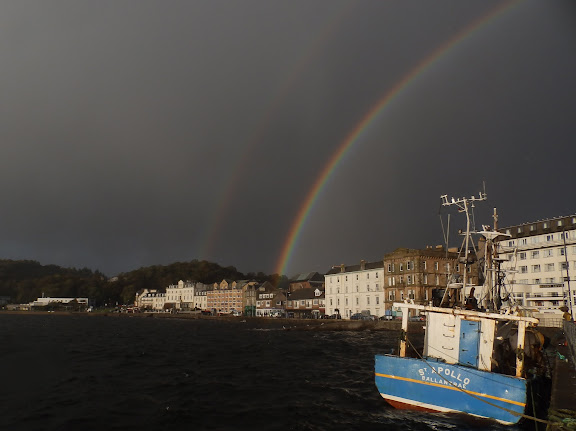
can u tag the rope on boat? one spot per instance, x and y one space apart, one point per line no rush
525 416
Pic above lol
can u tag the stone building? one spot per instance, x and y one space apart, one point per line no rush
421 275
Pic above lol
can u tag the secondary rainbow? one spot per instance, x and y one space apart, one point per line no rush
355 135
226 194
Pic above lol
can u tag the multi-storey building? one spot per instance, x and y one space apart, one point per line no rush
200 298
249 299
540 257
355 289
270 300
421 275
150 299
306 302
227 296
181 296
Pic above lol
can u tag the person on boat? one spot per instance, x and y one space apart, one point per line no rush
566 316
471 301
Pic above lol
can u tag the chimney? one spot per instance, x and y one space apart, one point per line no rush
342 268
362 265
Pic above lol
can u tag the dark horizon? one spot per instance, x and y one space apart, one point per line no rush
145 133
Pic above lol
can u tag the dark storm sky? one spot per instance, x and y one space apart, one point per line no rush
143 132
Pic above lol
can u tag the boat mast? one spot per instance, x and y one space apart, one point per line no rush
463 205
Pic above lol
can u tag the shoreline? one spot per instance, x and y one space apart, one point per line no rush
288 324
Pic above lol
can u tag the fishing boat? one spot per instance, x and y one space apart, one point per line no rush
477 357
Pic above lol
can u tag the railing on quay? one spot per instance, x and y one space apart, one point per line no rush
570 333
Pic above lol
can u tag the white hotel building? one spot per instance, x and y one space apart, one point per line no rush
542 257
354 289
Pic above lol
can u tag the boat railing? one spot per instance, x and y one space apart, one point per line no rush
461 311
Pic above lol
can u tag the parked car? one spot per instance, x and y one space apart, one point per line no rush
387 317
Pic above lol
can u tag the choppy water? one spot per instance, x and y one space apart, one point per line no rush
105 373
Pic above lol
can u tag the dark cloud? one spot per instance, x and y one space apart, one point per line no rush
146 132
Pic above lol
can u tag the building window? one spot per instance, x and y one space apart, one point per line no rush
532 228
411 294
346 301
391 295
548 253
549 267
545 225
436 266
346 278
367 300
377 286
437 280
519 230
401 267
535 268
376 275
357 300
402 296
523 269
425 280
356 276
389 267
549 237
523 241
409 279
368 287
368 276
424 265
377 300
535 254
559 223
561 251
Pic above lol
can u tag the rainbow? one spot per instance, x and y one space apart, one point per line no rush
359 130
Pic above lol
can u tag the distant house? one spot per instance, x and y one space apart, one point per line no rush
42 302
269 300
306 303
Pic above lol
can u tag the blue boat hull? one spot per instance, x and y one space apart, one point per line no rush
436 386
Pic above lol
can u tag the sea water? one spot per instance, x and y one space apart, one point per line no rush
80 372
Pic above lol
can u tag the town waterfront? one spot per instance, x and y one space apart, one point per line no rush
100 373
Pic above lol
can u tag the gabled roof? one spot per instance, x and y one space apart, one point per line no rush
308 276
306 293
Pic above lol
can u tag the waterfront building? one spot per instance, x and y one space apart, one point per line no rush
355 289
540 257
200 298
227 296
43 302
306 302
180 296
421 275
150 299
249 299
270 300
